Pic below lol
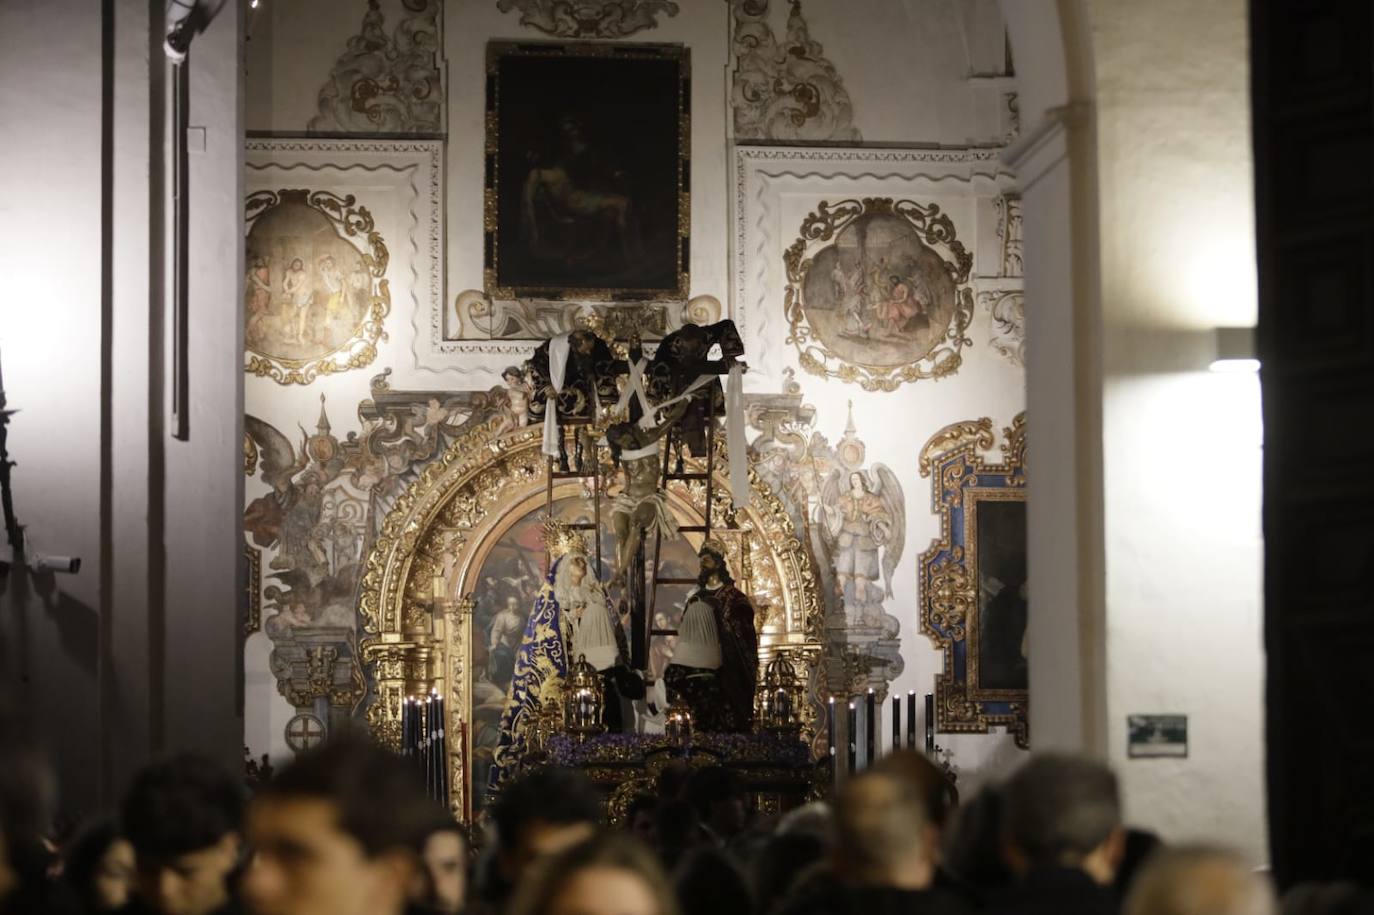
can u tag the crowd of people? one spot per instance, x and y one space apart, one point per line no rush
346 829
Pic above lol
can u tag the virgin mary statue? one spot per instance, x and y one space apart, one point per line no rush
571 618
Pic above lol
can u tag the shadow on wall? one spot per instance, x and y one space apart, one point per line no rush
78 626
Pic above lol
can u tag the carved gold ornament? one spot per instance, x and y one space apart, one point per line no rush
877 293
952 610
463 502
315 300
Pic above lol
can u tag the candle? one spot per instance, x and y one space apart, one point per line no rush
853 736
930 723
870 728
911 719
830 730
896 724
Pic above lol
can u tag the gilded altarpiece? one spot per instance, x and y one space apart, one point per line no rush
423 579
973 578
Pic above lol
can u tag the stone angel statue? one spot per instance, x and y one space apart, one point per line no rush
865 527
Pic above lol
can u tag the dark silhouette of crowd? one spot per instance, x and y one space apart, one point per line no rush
347 829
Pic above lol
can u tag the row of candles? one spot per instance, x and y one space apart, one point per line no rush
424 743
873 726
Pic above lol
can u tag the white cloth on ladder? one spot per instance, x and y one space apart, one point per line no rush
559 348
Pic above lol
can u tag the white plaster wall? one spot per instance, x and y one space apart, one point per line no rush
1181 447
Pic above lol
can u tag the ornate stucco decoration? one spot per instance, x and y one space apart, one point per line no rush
430 548
1009 231
388 83
877 293
972 578
785 89
316 302
477 316
1007 313
589 18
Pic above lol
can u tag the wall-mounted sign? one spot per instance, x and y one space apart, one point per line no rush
1149 736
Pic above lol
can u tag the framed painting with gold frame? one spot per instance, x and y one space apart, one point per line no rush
973 578
587 188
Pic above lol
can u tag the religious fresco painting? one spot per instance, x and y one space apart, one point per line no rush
315 293
973 578
313 526
851 513
877 292
587 184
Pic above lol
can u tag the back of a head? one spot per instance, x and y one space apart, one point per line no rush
880 822
711 785
546 795
378 798
1199 880
973 844
606 851
922 776
180 805
707 883
1058 809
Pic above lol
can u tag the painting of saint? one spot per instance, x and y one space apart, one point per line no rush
589 182
309 290
878 295
1001 566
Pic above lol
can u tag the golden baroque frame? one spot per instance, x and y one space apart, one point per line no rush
350 221
435 538
949 575
936 230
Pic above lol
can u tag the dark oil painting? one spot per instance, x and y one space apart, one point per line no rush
1001 566
587 178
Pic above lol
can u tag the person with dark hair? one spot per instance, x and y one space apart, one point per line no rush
338 832
183 817
884 856
28 797
608 874
719 801
540 813
1139 846
1062 837
782 862
443 886
679 831
99 867
641 819
972 848
707 883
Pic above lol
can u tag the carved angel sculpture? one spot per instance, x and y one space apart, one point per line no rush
865 524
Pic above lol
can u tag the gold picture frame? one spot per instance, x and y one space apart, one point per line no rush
877 292
972 578
343 312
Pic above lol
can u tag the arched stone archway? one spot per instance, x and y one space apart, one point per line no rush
416 600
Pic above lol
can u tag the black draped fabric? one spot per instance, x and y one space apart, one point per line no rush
739 657
700 690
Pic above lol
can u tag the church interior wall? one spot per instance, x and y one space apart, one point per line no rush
1184 617
944 108
136 651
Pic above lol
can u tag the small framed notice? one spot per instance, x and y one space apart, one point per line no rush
1155 736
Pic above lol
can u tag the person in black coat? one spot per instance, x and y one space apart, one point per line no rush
1062 838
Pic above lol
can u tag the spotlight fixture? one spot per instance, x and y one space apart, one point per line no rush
1235 350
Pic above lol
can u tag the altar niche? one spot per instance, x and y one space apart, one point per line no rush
425 596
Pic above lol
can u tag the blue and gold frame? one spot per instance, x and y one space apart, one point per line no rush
973 578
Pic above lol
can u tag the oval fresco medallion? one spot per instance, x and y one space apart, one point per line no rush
877 293
315 296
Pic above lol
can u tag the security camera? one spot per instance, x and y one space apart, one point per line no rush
67 565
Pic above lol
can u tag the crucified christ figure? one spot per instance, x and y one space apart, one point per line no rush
641 504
